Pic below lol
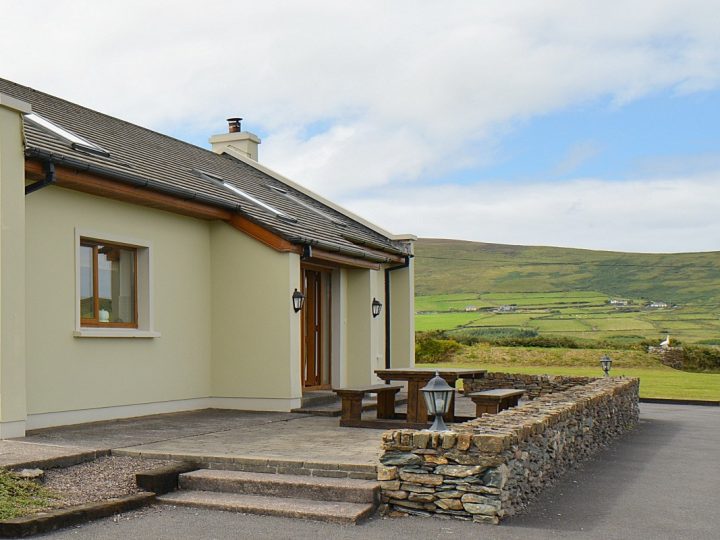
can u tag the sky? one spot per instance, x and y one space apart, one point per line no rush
590 124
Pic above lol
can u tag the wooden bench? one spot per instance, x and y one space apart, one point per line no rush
494 401
352 402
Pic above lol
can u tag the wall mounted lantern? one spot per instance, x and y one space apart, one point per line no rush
376 307
438 393
606 364
298 300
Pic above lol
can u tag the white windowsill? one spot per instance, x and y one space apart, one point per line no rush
115 333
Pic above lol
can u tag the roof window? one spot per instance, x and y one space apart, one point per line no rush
302 203
219 180
75 141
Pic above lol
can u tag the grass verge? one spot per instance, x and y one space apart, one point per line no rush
20 497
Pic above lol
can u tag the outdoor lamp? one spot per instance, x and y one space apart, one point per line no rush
298 300
376 307
606 363
437 394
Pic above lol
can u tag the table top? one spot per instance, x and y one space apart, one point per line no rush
401 374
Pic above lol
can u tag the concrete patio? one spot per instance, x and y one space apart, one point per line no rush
246 440
249 440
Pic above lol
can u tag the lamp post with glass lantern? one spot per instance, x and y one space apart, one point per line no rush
606 364
438 393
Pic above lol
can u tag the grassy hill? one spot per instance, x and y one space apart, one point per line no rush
566 292
455 266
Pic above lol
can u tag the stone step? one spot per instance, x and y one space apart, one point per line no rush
318 398
328 511
282 485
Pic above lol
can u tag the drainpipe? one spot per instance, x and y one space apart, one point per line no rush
49 167
387 309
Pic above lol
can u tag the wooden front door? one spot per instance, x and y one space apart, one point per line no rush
315 371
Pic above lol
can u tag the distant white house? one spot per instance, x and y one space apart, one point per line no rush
506 309
471 308
616 302
658 305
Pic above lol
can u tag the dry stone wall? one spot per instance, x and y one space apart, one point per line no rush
673 357
534 385
490 467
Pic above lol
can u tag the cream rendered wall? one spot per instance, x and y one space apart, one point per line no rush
12 268
255 331
338 328
364 340
66 373
402 316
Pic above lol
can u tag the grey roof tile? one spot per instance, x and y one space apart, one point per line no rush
171 163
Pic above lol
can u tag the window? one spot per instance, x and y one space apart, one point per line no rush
114 288
319 212
219 180
75 141
108 284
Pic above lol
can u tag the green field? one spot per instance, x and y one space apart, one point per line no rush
656 380
496 290
654 383
586 316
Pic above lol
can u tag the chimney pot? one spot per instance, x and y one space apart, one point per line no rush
236 140
234 125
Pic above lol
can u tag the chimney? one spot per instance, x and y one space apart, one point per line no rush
243 141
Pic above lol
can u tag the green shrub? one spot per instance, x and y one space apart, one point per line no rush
701 358
432 347
558 342
471 336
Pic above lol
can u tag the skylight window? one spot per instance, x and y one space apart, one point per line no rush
75 141
219 180
308 206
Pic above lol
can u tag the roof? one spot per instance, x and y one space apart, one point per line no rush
169 165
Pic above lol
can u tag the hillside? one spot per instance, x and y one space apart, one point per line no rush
455 266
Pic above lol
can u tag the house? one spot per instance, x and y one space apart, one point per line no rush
506 308
658 305
140 274
616 302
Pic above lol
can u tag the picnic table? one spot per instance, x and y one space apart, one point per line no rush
417 378
496 400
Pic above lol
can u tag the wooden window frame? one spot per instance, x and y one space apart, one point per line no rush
95 322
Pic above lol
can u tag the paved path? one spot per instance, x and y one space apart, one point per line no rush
660 482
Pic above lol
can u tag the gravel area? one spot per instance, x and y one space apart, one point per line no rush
104 478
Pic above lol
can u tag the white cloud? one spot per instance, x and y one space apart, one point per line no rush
409 89
660 216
